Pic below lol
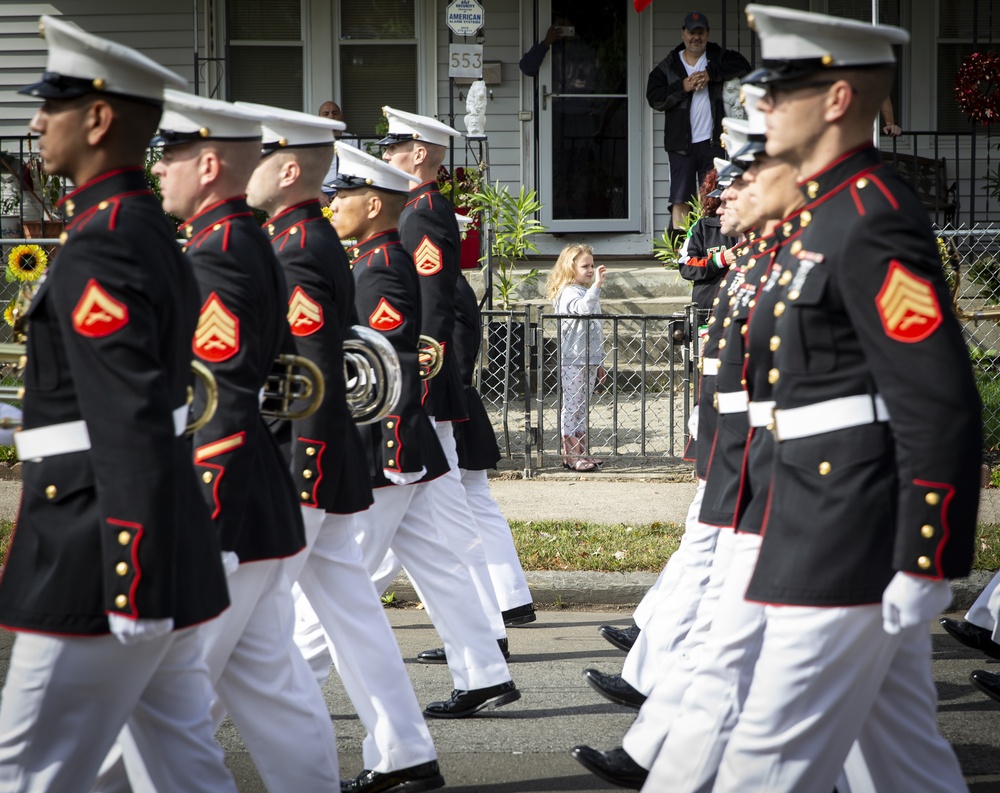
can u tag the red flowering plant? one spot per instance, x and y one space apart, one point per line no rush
458 186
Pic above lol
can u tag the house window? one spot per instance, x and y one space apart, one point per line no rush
266 52
963 27
378 61
888 14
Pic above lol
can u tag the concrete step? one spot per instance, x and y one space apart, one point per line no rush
628 282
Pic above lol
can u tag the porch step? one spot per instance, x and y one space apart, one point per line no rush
631 287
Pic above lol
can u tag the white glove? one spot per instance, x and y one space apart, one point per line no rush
693 424
910 600
230 562
399 478
129 631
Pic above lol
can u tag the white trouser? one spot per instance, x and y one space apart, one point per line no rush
680 597
336 589
828 676
67 698
689 756
402 518
451 512
675 670
985 611
506 574
666 580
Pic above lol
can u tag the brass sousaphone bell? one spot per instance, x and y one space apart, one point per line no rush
13 359
372 373
285 386
431 357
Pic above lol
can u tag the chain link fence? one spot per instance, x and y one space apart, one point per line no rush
636 416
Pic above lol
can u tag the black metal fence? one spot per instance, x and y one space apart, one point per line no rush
637 416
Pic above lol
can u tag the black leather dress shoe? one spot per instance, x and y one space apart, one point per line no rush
521 615
615 766
972 636
987 682
614 688
465 703
438 656
622 638
426 776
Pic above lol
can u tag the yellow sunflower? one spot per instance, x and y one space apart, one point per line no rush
8 313
27 262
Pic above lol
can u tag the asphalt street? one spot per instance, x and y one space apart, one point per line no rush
523 747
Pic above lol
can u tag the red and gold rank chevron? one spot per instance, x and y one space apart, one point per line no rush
217 337
907 305
305 315
97 314
385 317
427 257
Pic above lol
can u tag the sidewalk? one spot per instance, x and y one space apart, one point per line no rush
607 498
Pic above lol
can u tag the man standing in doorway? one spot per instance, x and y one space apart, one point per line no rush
687 87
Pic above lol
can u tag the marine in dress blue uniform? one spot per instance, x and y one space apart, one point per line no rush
336 597
260 677
405 449
111 534
873 498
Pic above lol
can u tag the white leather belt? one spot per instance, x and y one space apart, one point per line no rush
710 366
829 416
732 401
760 414
69 437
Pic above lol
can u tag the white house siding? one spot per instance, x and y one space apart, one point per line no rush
502 43
162 30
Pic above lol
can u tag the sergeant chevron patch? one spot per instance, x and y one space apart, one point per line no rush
385 317
305 315
97 314
217 337
427 257
907 305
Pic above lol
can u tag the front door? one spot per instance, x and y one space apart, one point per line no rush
590 89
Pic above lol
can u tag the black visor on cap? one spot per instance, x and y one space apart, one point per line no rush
170 137
716 193
784 71
58 86
396 137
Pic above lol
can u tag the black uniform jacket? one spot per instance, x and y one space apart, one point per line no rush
329 465
708 417
702 263
119 528
242 327
729 447
866 313
475 439
429 231
387 298
665 91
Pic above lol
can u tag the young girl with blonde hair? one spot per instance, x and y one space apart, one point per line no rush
574 287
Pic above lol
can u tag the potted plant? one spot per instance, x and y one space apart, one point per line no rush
458 187
510 224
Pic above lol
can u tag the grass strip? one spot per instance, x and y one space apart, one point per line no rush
621 548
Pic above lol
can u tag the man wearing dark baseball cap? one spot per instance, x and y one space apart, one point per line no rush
687 87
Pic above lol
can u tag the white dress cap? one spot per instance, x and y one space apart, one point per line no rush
746 144
291 129
81 63
409 126
796 43
751 95
187 118
360 169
